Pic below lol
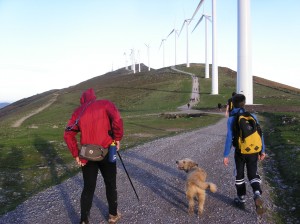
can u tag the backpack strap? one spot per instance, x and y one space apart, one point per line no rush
71 128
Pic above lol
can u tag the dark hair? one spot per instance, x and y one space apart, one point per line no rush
239 100
233 93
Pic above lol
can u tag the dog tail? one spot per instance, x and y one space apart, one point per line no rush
207 185
212 187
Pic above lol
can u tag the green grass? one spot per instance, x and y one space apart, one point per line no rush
281 131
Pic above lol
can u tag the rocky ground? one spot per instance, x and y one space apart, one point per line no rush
159 184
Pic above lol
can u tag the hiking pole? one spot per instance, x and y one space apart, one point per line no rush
128 176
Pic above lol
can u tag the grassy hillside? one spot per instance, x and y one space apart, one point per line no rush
34 155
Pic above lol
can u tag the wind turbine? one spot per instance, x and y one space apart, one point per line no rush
215 74
148 53
176 35
186 22
214 45
132 60
206 37
126 67
139 60
244 73
163 44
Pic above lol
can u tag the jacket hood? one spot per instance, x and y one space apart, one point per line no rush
87 96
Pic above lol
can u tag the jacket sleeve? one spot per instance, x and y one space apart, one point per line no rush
70 136
229 136
116 121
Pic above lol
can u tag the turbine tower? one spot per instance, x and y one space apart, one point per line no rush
176 35
148 53
244 67
206 45
132 60
126 67
215 75
186 22
139 60
214 46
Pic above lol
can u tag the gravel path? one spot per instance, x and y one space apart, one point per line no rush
159 185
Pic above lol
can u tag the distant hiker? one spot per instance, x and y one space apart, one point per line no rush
100 124
249 148
229 105
219 106
188 105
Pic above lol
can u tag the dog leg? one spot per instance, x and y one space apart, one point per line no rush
201 201
190 198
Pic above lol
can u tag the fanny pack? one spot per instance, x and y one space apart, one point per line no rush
92 152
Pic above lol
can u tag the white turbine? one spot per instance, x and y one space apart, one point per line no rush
215 75
132 60
126 67
206 45
186 22
139 59
244 67
176 35
163 44
214 46
148 53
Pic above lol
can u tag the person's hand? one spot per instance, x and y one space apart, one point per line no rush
118 145
226 161
79 162
261 156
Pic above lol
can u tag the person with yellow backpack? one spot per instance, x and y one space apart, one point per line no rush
229 105
245 135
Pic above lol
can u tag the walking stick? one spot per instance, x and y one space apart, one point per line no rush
128 176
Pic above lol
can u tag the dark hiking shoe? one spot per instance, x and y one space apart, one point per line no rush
239 201
114 218
259 204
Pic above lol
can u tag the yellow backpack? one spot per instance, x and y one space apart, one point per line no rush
247 134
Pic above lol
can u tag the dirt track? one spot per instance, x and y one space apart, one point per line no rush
19 122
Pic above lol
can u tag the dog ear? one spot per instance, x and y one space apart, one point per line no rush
192 164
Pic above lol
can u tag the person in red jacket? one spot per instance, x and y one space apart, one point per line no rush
99 123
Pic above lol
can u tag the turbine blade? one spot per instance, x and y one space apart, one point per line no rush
198 22
162 41
182 27
198 7
171 33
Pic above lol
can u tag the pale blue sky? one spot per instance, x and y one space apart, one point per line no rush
55 44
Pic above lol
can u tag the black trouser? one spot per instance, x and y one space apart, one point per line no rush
90 172
250 160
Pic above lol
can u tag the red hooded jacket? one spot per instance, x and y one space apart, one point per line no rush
99 123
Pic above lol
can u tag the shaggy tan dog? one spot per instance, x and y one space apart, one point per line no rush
195 184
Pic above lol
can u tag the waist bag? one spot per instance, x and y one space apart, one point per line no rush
92 152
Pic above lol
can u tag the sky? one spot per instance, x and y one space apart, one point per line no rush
55 44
